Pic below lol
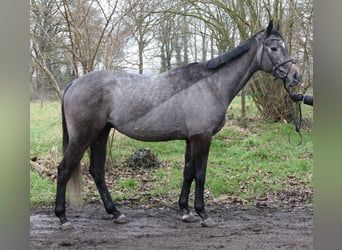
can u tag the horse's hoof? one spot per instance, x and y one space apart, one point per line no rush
66 226
189 218
208 222
121 219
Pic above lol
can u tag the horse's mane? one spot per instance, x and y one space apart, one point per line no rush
229 55
235 52
226 57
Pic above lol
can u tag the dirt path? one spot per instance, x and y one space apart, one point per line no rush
238 228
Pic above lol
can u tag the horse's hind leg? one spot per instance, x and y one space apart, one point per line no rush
97 165
70 162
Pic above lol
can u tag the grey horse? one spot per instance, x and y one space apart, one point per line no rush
186 103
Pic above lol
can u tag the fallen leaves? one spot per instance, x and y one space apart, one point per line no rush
229 199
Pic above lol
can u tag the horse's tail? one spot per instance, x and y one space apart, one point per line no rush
74 185
74 188
65 129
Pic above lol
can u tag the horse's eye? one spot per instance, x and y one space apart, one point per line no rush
274 49
282 72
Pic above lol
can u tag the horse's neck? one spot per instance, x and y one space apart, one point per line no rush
234 76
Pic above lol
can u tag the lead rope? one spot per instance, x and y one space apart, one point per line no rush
296 117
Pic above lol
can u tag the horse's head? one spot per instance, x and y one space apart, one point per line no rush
275 59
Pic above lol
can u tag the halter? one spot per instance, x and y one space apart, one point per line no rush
296 121
276 66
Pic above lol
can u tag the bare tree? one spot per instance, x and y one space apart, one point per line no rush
40 60
70 38
88 24
165 34
143 22
46 33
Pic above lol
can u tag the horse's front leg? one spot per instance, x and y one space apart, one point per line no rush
200 145
188 176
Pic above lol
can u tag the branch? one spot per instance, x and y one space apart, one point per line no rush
44 67
73 45
103 32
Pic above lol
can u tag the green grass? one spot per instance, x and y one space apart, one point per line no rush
41 189
249 163
45 128
128 184
255 165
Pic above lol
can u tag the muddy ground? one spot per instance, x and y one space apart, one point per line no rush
161 228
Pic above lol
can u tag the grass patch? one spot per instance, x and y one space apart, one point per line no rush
45 128
128 184
42 190
258 164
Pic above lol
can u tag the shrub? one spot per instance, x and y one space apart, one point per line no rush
143 158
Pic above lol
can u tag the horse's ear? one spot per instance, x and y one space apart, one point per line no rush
269 28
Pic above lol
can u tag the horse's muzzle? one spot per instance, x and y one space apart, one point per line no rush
293 77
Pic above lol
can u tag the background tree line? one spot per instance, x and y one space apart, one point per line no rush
72 38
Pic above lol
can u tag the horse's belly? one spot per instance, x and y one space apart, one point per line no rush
161 127
152 133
